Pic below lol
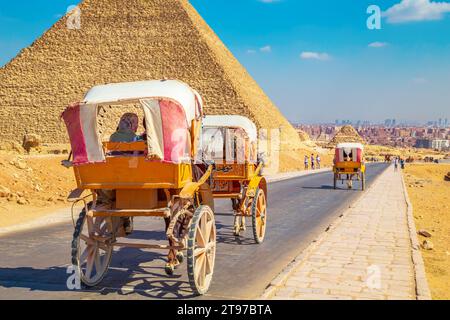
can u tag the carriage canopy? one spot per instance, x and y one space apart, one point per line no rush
349 152
171 109
230 137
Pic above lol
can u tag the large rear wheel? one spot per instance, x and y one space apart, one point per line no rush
259 216
201 250
92 248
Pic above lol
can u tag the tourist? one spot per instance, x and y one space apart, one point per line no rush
306 162
318 161
312 162
395 164
126 130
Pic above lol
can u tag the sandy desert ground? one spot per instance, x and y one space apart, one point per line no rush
430 196
31 186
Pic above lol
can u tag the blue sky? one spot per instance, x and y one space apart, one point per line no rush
317 60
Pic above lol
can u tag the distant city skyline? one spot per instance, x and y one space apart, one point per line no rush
441 122
317 60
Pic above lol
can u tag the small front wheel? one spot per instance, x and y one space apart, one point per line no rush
201 249
259 215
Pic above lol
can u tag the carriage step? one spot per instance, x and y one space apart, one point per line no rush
160 212
148 246
228 195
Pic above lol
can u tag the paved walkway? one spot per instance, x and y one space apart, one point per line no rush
366 255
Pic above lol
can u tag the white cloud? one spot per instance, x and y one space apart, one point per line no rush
416 10
266 49
251 51
378 44
269 1
305 55
419 80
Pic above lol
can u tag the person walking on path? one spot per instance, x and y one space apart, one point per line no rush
318 161
312 162
395 164
306 162
402 163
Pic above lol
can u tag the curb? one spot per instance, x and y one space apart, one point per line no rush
298 261
422 288
54 218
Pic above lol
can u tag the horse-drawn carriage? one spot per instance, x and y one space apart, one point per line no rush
230 141
349 164
154 177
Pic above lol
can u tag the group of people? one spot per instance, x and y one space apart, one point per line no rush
399 161
313 160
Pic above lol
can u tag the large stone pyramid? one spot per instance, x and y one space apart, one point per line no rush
127 41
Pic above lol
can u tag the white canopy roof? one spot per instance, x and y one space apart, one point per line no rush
350 145
172 89
233 121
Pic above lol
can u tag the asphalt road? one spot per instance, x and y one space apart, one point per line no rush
33 264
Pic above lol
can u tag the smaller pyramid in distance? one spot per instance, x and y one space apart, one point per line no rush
346 134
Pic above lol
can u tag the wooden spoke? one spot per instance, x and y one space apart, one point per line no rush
199 251
209 231
90 263
201 241
87 240
87 251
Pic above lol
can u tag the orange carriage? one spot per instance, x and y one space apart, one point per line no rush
349 164
150 178
230 141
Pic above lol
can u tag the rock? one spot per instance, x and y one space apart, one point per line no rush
427 245
31 141
21 201
424 233
19 194
4 192
19 164
15 146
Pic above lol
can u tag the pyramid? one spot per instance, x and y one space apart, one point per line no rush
346 134
123 41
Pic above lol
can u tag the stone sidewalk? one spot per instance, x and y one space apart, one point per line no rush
367 254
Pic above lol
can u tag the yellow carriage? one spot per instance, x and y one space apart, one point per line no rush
231 142
154 177
349 164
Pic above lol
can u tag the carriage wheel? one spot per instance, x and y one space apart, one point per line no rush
201 251
363 181
259 216
91 256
